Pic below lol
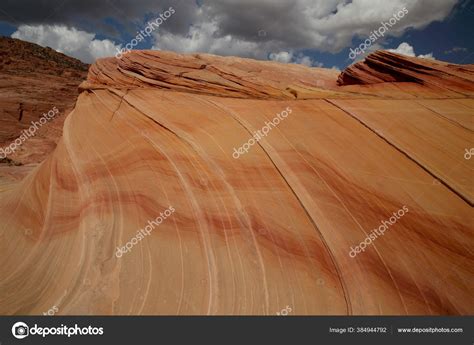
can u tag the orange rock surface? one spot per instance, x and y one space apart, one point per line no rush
256 234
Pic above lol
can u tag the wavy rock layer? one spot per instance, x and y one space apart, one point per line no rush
383 66
254 235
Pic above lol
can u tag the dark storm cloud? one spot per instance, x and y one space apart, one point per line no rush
87 14
296 24
282 20
250 28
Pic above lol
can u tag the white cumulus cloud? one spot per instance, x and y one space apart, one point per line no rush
405 49
284 57
203 38
70 41
291 57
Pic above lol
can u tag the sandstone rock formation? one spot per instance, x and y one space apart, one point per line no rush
33 80
384 66
271 228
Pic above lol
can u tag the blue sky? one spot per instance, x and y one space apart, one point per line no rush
312 32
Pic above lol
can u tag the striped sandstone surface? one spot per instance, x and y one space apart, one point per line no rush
268 230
